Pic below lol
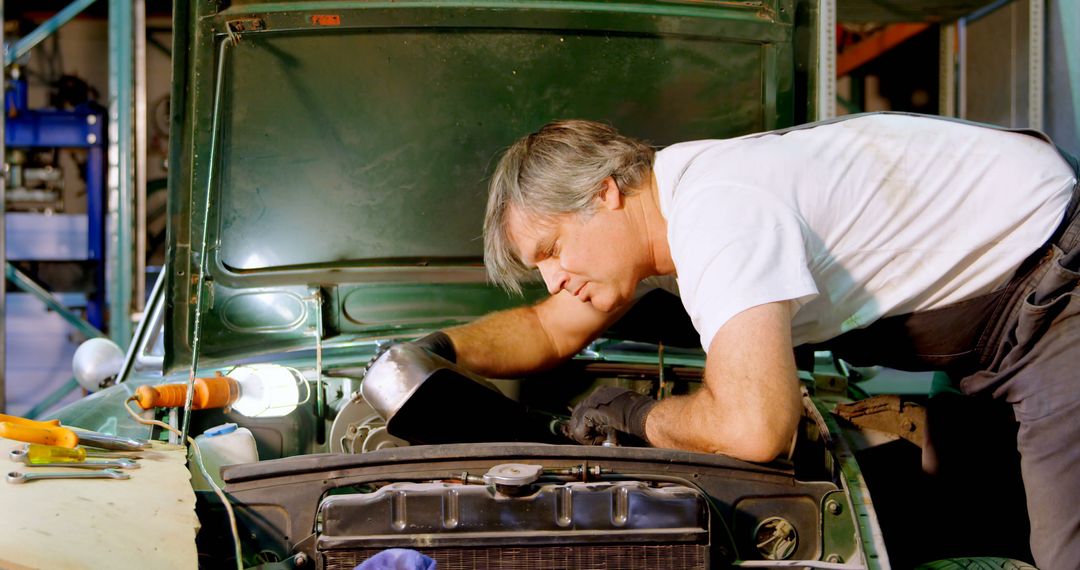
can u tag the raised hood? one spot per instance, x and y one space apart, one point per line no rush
336 154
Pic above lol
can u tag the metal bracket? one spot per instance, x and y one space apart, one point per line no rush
241 25
838 524
1036 62
888 414
320 396
830 382
826 64
208 287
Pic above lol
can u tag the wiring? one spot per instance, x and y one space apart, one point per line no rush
307 396
202 470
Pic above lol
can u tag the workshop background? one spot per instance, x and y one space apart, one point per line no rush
86 128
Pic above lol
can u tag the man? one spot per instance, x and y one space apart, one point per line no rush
911 241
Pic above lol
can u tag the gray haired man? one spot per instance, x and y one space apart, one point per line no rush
912 241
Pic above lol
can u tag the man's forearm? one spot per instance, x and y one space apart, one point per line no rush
528 339
695 422
749 404
506 343
700 422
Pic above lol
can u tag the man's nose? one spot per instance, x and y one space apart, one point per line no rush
554 277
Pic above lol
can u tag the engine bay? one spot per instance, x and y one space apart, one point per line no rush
481 472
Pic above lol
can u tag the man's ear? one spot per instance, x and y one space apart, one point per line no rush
610 197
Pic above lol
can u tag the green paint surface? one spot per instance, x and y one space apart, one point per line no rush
353 158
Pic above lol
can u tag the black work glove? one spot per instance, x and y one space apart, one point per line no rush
609 408
438 343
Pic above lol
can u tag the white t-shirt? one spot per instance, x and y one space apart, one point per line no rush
865 218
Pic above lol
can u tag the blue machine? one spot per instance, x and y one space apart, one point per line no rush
82 127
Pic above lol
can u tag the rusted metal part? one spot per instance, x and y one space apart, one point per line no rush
236 28
326 19
890 414
241 25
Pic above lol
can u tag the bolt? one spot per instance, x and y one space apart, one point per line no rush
834 558
91 119
833 507
91 138
301 559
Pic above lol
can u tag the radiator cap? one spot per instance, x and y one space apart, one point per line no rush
513 474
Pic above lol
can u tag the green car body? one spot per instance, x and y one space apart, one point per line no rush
327 181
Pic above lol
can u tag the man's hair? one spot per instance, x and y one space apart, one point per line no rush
557 170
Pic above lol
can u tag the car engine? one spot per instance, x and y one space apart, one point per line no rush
480 477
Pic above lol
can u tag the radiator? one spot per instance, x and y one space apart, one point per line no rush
585 557
609 526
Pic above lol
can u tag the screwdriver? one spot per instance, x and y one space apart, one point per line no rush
37 453
52 433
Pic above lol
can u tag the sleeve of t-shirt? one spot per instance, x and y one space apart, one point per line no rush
735 248
650 284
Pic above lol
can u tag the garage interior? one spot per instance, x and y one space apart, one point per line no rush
89 97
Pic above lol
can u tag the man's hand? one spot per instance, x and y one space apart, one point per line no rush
609 408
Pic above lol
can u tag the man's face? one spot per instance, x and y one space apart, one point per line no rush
594 257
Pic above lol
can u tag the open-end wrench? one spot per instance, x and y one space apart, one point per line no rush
22 456
16 478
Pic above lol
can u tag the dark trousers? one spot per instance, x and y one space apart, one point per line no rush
1020 344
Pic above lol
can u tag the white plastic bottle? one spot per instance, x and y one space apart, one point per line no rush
223 445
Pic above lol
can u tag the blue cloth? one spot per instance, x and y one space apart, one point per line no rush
397 559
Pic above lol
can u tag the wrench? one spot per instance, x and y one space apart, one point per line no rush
22 456
16 478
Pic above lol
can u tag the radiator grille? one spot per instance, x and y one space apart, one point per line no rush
637 557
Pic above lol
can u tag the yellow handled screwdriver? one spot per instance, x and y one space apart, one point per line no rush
37 453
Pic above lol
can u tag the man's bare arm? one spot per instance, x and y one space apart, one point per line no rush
749 405
528 339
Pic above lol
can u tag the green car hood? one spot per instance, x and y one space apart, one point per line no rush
329 159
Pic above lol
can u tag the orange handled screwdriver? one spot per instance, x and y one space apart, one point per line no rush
216 392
